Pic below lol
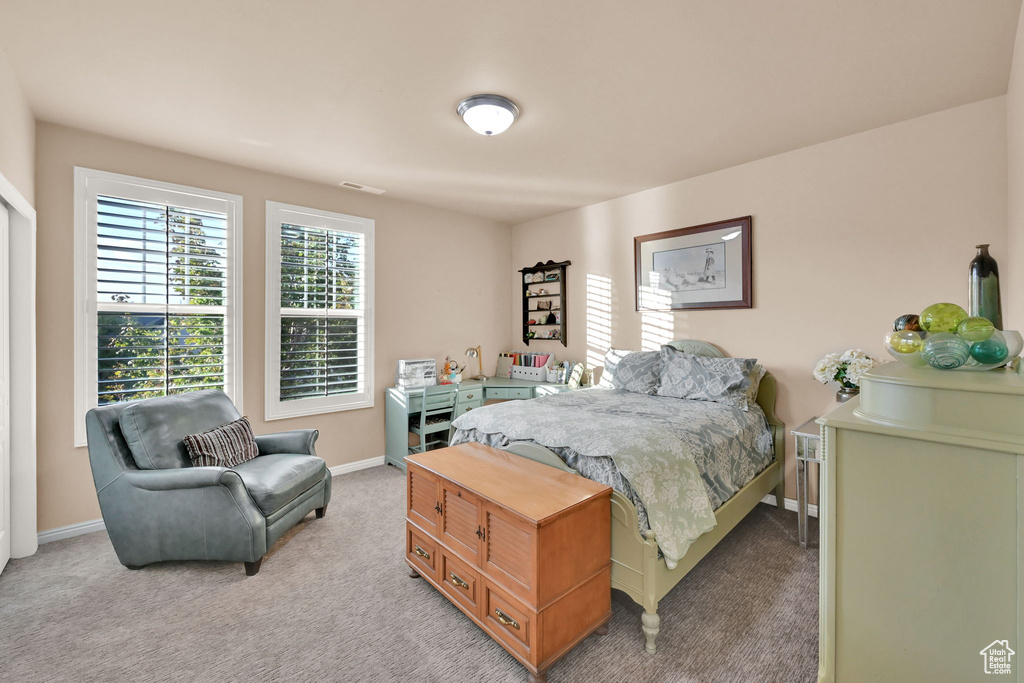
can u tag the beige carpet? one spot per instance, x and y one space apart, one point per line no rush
333 603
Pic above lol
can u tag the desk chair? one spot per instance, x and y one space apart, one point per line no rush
431 411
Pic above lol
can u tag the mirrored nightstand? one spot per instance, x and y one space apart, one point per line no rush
808 442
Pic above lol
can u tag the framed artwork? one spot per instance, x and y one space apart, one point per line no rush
544 305
706 266
576 375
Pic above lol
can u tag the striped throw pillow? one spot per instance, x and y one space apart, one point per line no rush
224 446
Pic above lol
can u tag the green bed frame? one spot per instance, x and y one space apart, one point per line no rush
636 568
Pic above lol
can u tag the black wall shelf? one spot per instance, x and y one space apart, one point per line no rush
530 292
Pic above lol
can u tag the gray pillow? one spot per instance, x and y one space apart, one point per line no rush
611 361
638 372
699 378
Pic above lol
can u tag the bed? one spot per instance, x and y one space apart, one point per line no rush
640 568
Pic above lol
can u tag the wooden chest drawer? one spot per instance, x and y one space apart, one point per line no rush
521 548
421 551
511 622
460 582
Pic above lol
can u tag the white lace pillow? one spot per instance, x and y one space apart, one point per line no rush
699 378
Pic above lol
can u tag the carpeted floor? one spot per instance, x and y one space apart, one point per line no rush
333 602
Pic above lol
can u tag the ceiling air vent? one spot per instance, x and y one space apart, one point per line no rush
361 188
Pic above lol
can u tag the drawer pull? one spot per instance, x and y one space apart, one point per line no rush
468 409
506 620
457 581
469 396
421 552
437 507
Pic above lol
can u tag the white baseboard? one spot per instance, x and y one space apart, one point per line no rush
356 466
812 510
70 530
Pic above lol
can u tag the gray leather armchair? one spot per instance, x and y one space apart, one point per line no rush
156 506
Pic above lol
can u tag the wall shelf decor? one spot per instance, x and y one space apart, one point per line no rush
544 303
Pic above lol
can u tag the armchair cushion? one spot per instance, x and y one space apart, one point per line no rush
154 429
224 446
273 481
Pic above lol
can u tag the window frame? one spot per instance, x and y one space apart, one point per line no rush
89 184
277 215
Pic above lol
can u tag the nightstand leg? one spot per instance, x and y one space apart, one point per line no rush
801 502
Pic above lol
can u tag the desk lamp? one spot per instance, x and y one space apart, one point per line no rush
475 352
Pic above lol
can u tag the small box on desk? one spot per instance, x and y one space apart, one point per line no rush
525 372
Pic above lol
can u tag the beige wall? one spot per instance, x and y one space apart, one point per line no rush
441 279
1012 278
847 235
17 134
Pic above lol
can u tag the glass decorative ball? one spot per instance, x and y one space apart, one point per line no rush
905 341
942 317
975 329
945 350
990 351
910 321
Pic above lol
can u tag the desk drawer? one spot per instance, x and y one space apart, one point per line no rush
471 395
520 393
495 393
466 407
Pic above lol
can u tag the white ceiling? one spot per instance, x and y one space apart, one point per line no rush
615 96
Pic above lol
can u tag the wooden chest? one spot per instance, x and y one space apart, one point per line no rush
523 549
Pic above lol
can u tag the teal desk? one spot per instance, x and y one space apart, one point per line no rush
472 394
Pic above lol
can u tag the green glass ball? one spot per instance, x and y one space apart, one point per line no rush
910 321
945 351
992 351
975 329
942 317
905 341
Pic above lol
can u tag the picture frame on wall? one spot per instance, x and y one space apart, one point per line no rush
704 266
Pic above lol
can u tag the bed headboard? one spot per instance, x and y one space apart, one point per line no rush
765 391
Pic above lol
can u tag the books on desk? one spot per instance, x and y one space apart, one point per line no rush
516 365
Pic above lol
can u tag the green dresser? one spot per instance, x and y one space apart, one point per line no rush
399 405
922 527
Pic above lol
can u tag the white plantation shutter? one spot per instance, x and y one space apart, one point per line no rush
158 276
319 313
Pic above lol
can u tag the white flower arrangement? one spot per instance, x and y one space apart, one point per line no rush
847 368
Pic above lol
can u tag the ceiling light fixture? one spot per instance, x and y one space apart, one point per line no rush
488 114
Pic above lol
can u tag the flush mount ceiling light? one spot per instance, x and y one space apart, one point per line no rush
488 114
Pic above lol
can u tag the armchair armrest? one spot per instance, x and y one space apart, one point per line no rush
173 479
296 441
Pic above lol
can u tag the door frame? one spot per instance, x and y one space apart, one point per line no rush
22 322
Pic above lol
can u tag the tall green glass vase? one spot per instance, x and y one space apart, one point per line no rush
984 281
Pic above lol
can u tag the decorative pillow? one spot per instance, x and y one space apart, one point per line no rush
638 372
224 446
699 378
611 361
755 382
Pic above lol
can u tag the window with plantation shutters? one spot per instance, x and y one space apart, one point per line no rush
158 290
319 311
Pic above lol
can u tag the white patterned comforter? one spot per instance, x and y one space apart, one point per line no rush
677 460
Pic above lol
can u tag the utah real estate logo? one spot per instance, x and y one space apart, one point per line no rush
997 657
